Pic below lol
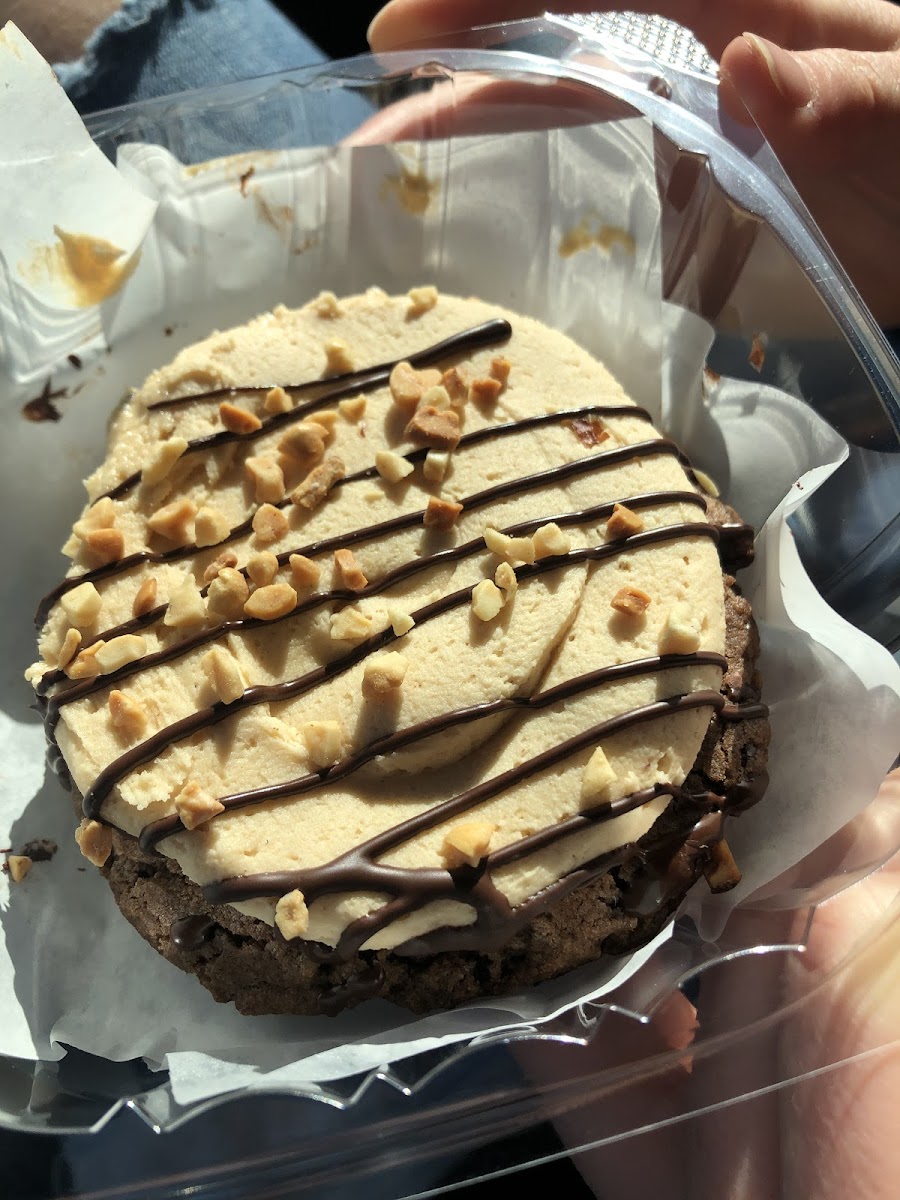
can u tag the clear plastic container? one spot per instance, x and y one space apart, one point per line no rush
739 250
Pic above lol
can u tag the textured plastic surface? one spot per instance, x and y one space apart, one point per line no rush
732 224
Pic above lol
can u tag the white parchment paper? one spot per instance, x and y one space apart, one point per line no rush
223 245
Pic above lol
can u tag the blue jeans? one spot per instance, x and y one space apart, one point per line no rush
157 47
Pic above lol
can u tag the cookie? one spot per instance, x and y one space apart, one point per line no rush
397 658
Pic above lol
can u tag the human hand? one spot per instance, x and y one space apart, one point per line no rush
821 78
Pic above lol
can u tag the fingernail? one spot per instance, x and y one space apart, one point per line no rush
786 73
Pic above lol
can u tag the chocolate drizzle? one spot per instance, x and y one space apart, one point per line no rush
494 921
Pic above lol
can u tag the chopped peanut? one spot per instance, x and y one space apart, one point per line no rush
186 606
85 665
455 382
383 673
421 300
436 397
435 466
120 651
81 605
69 648
227 558
324 741
18 866
278 401
721 871
101 515
227 595
505 578
326 305
623 523
406 387
549 539
350 625
393 467
429 377
487 600
262 567
707 485
337 357
271 602
401 622
126 715
327 419
597 775
238 420
195 806
94 841
514 549
349 570
174 521
352 409
484 390
631 601
500 368
224 674
304 572
269 523
267 478
681 632
441 514
106 544
292 915
210 526
144 598
315 487
468 842
162 462
305 442
431 427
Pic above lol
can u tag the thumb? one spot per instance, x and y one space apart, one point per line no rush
822 109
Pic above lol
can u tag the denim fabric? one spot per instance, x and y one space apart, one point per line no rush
157 47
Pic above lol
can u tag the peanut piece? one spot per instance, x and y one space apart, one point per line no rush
455 382
597 775
315 487
269 523
271 602
324 741
484 390
350 625
306 441
126 715
441 514
144 598
435 466
224 674
393 467
238 420
681 632
94 841
421 300
162 462
81 605
436 397
623 523
406 387
186 606
227 558
267 478
631 601
18 865
278 401
352 409
487 600
337 357
120 651
505 578
85 665
432 427
101 515
292 915
210 526
304 572
173 521
262 567
401 622
69 648
468 842
549 540
722 872
195 806
383 673
514 549
227 595
349 570
708 485
106 544
500 368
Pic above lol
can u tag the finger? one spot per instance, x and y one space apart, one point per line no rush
822 109
799 24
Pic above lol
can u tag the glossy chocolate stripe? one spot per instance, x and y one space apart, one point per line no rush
206 718
488 333
179 553
356 871
77 691
391 743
